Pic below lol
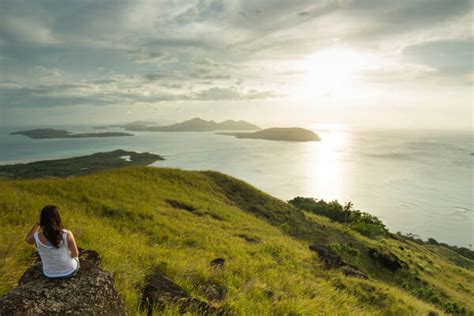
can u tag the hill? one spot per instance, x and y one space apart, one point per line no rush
294 134
223 243
197 125
42 133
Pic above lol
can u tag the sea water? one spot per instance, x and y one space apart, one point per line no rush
415 181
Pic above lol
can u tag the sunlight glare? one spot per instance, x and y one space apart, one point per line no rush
326 167
332 70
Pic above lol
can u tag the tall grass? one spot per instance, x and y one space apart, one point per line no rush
126 216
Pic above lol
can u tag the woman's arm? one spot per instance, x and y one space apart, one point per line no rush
30 237
71 242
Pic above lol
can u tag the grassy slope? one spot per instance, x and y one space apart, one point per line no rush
124 214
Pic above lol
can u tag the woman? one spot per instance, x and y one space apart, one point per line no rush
56 246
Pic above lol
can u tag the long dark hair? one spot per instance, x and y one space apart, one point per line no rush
50 221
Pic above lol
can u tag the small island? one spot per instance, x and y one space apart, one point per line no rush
43 133
133 124
292 134
196 125
78 165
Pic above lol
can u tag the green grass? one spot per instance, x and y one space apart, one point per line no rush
127 216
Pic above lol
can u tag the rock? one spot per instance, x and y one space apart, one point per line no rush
249 239
181 205
329 256
352 272
268 293
160 292
333 260
214 292
218 262
387 259
90 292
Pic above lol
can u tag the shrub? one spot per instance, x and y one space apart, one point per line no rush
362 222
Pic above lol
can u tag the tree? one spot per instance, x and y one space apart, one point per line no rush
347 210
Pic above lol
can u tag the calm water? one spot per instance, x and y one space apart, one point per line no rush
415 182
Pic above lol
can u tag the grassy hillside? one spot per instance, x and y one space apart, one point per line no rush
143 218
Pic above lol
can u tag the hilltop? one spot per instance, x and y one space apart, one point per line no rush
196 125
225 246
42 133
292 134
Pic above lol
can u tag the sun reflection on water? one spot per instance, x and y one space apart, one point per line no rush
327 170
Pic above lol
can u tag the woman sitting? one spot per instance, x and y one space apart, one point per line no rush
56 246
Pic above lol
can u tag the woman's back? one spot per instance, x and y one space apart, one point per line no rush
57 262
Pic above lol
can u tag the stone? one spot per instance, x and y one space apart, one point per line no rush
330 258
160 292
218 262
352 272
91 291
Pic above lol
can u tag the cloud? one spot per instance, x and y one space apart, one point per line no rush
48 72
453 57
25 31
141 51
151 57
114 91
217 93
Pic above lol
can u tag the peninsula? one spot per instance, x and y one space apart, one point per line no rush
43 133
292 134
197 125
78 165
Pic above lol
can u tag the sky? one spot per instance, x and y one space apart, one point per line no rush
356 63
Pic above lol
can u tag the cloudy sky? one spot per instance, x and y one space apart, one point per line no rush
363 63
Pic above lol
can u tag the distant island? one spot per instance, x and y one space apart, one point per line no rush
78 165
133 124
196 125
292 134
43 133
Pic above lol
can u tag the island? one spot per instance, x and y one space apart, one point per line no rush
78 165
133 124
43 133
292 134
197 125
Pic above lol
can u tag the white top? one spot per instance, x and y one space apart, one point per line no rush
57 262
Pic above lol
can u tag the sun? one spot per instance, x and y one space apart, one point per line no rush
331 70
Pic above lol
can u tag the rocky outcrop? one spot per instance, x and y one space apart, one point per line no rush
90 292
387 259
161 292
213 291
332 260
352 272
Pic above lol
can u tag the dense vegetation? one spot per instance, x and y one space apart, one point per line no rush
364 223
143 218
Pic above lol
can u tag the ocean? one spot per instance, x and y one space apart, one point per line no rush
418 182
